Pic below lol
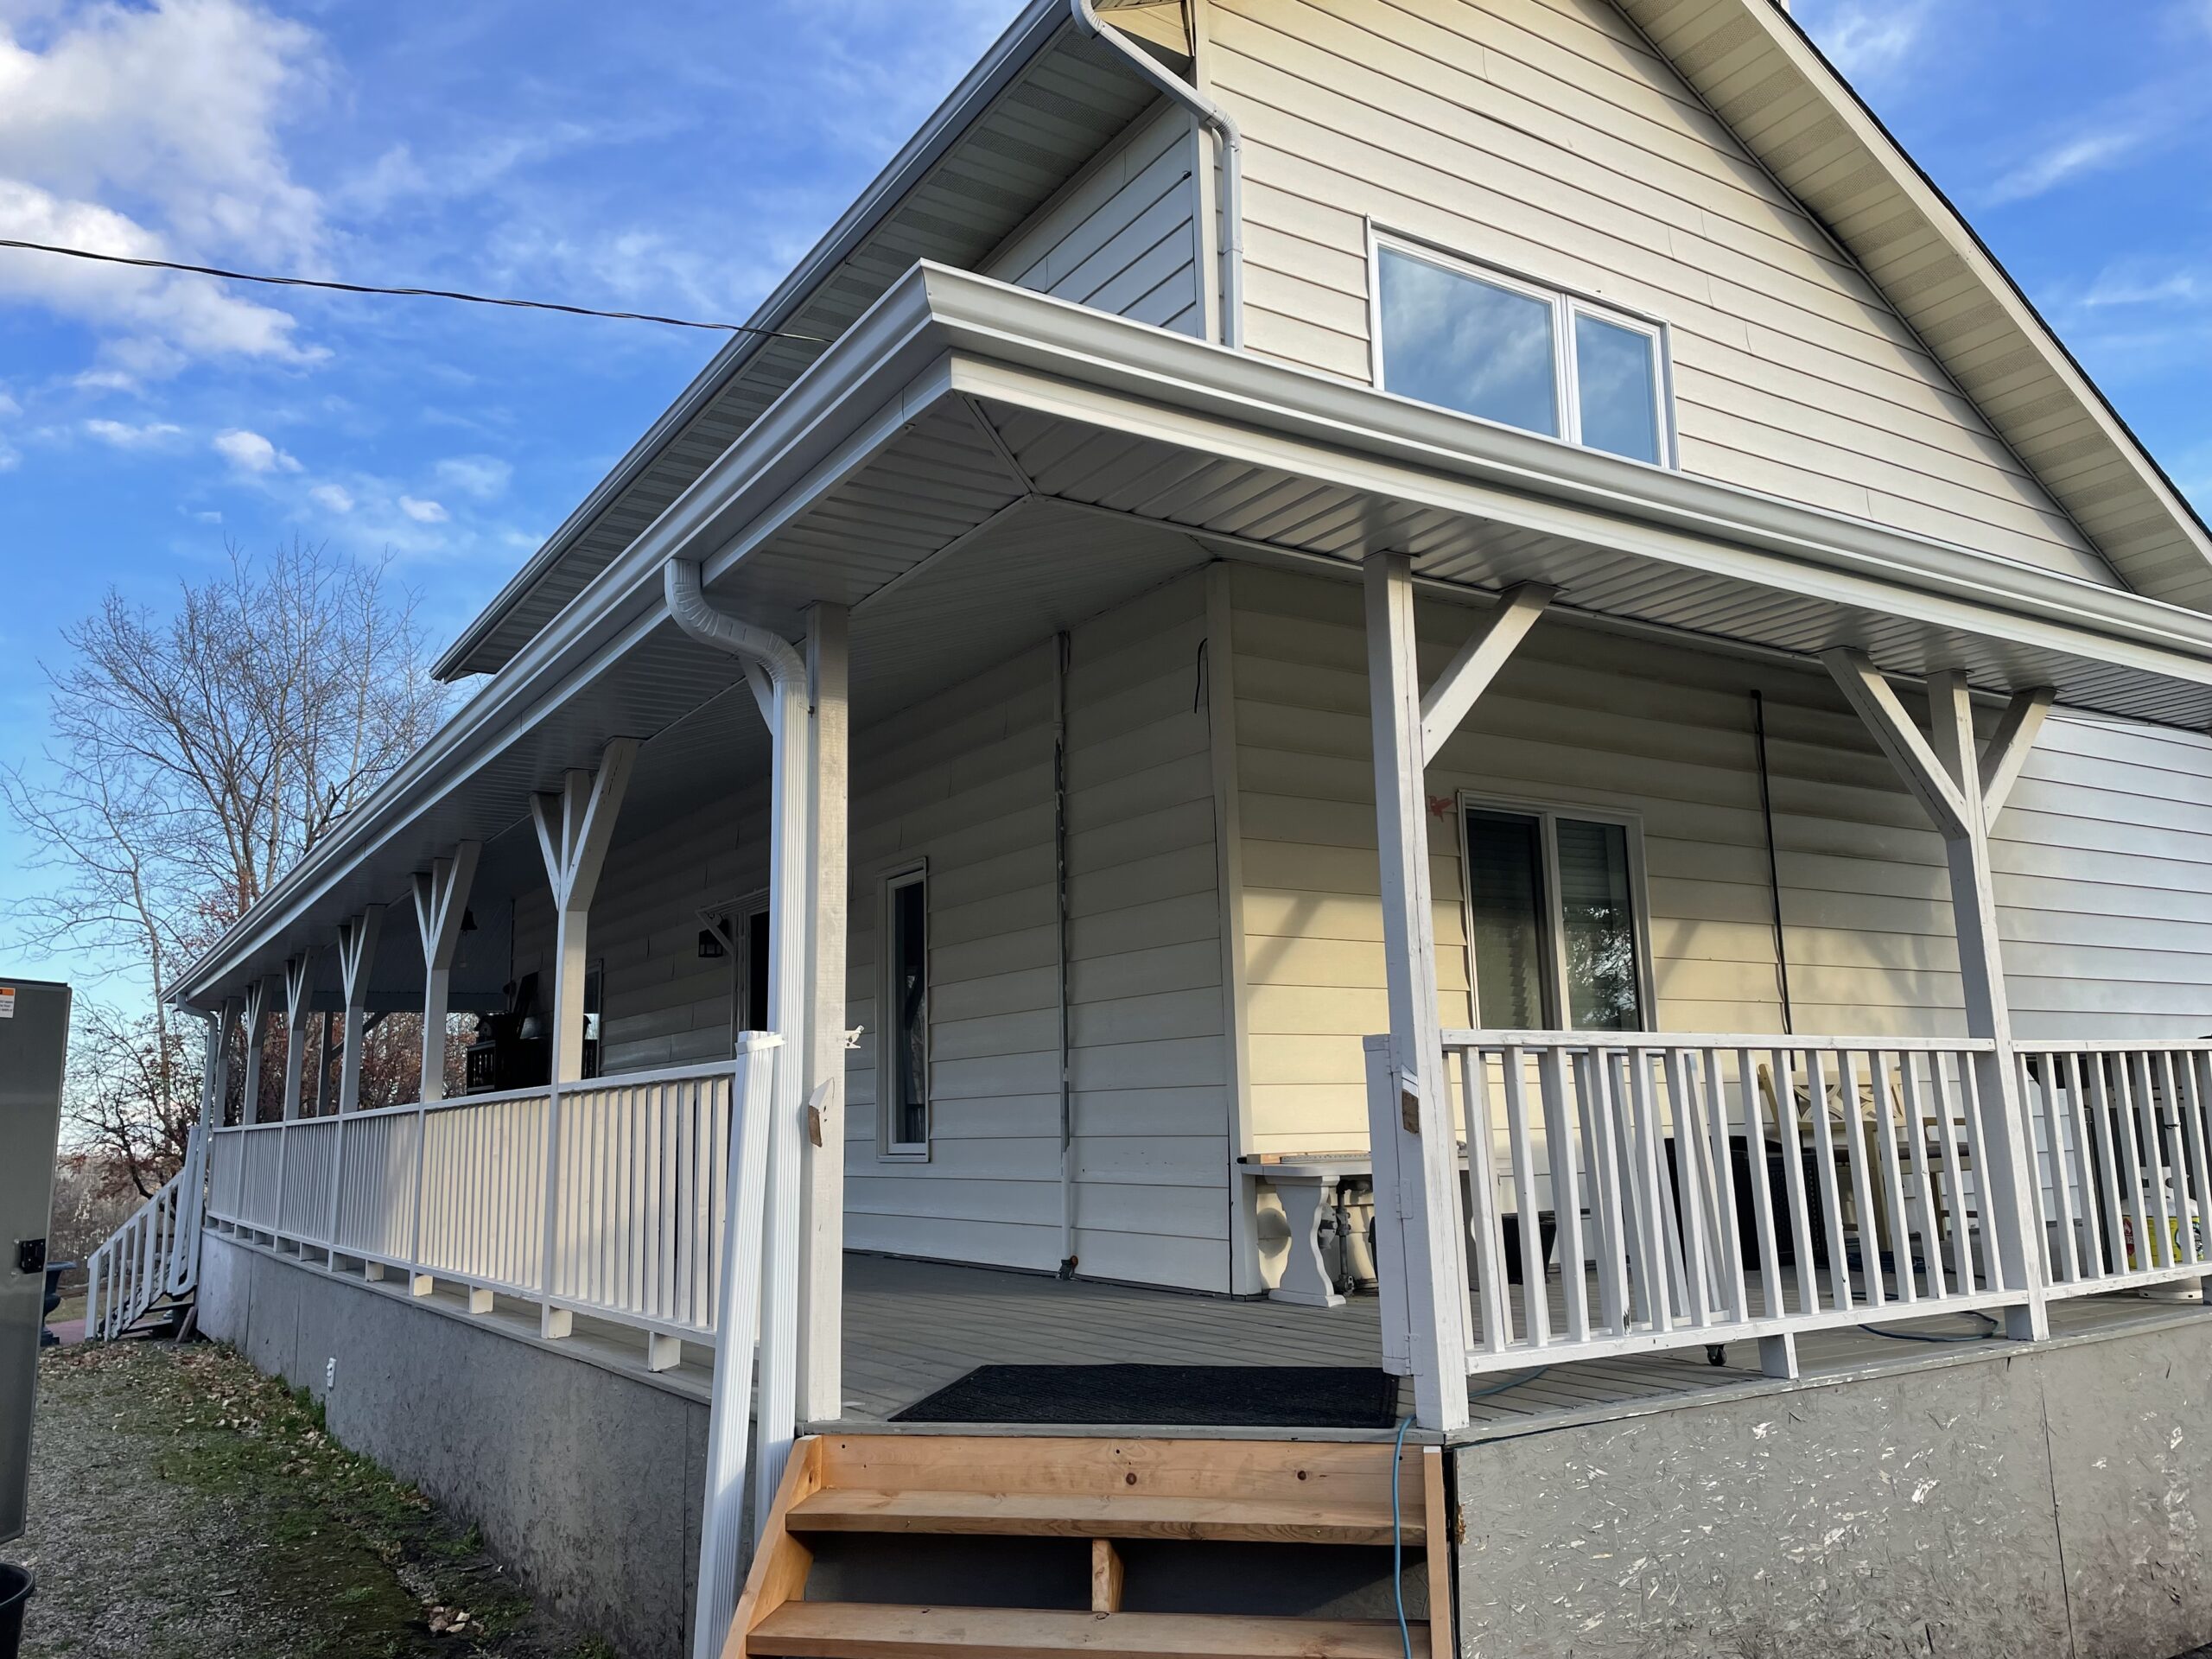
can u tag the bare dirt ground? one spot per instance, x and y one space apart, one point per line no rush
184 1507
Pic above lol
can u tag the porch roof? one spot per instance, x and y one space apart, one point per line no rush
972 467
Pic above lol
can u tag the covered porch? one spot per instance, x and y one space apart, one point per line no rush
970 478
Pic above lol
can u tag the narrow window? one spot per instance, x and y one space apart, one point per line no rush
904 1078
1489 345
1555 937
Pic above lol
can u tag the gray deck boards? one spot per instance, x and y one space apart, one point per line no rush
912 1327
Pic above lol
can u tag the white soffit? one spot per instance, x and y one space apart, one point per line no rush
1766 78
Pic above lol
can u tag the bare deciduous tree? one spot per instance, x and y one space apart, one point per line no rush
193 757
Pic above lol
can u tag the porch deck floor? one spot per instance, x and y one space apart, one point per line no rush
912 1327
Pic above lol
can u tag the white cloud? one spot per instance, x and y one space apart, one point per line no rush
152 130
2070 159
124 436
8 406
251 453
1867 38
422 512
481 476
332 498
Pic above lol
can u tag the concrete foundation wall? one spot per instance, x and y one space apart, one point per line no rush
2050 1504
586 1480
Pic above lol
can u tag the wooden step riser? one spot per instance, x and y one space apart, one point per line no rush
862 1630
1075 1516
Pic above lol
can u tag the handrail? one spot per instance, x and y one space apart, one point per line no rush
1757 1043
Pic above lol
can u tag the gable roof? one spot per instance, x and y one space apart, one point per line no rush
1046 99
1029 115
1766 78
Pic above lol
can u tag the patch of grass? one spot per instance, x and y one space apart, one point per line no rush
366 1565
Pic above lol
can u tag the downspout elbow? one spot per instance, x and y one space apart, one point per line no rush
1227 135
690 609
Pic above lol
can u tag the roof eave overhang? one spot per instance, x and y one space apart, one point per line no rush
1024 38
940 333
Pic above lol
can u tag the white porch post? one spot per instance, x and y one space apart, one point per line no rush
226 1021
296 978
575 828
1962 790
253 1004
440 902
1421 1244
821 1204
356 950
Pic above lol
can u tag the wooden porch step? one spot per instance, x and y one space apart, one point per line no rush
846 1630
1085 1515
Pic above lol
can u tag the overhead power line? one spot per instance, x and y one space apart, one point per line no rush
407 293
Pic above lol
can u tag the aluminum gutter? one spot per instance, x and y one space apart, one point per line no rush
938 332
1023 40
1062 359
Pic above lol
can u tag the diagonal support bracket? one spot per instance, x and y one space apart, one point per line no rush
1868 692
1468 675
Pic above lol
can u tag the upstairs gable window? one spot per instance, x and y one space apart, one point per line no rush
1472 338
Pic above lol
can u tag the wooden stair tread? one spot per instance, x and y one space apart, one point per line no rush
1089 1514
835 1630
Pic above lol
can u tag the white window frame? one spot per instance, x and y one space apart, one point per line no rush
1567 304
887 1148
1549 813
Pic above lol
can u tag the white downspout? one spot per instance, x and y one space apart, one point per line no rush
1223 125
779 682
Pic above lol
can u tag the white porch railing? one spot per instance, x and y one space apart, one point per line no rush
633 1170
1679 1190
153 1257
2122 1138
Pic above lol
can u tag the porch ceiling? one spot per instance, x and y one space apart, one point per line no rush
972 467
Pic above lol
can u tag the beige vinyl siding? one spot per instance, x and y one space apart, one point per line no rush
1123 236
2103 860
1547 137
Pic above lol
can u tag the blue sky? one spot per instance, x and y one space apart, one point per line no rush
678 155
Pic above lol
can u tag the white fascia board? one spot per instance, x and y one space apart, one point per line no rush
860 395
1058 358
1024 38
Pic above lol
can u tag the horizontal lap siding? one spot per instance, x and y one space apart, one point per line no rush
1148 1060
965 781
2103 861
1546 137
1123 236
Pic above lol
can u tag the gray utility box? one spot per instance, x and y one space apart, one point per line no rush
33 1047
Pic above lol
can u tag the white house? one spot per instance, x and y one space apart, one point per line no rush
1295 573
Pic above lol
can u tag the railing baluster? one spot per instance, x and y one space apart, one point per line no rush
1921 1138
1535 1301
1730 1237
1886 1106
2174 1118
1690 1186
1561 1142
1599 1129
1654 1239
1782 1092
2192 1101
1824 1176
2064 1257
1862 1185
1771 1302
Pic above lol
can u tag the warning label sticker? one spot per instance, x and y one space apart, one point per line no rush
7 1002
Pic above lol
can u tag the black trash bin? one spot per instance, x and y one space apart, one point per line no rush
15 1591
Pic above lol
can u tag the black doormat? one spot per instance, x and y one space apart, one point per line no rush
1193 1396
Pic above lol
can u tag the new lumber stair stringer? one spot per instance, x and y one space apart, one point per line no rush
962 1547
